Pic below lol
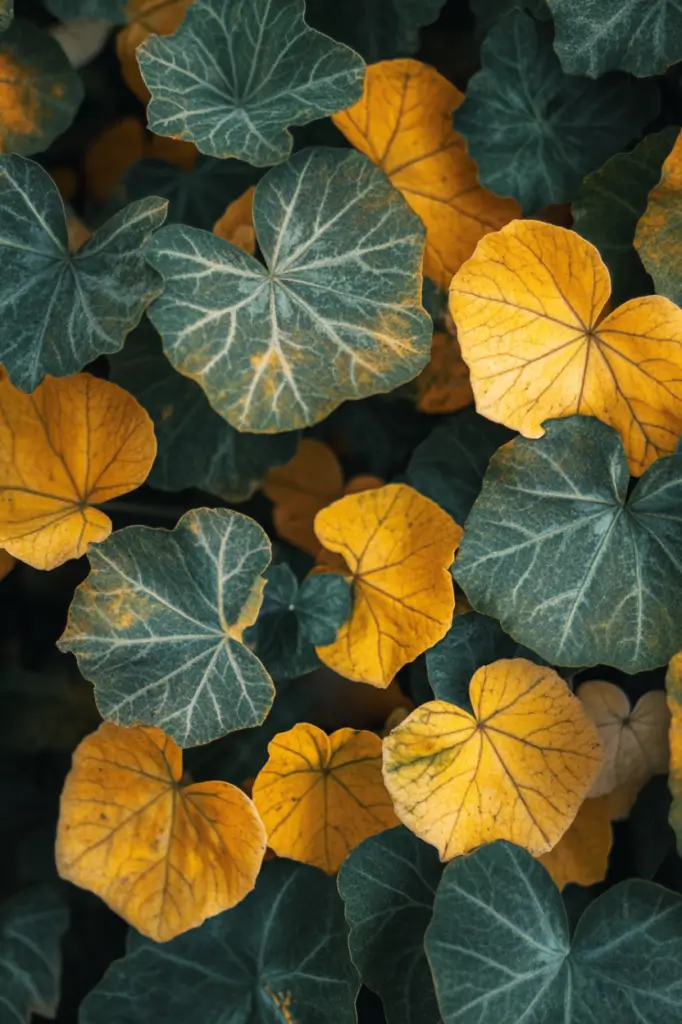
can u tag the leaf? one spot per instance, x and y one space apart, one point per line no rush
6 14
197 447
593 38
146 17
285 945
32 925
657 235
388 884
649 834
236 223
530 308
119 147
324 605
398 547
581 856
61 310
39 90
335 315
403 123
572 566
233 78
673 686
443 385
377 30
609 204
319 796
487 12
534 131
71 445
157 626
105 10
162 855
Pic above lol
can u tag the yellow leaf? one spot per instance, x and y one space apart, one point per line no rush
582 854
319 796
146 17
403 124
518 769
162 855
397 546
236 224
673 686
443 386
530 313
78 232
657 238
635 740
75 442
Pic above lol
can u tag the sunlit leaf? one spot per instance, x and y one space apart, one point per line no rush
377 30
236 223
319 796
32 925
581 857
443 385
146 17
658 232
162 855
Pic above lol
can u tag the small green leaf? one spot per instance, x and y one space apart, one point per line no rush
534 131
276 637
388 885
61 310
378 30
113 11
235 76
323 606
336 313
284 948
32 924
156 626
572 566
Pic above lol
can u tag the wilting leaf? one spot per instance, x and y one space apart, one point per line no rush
403 124
32 924
609 204
377 30
518 768
284 948
530 313
658 232
234 77
39 90
581 857
534 131
197 447
319 796
236 223
388 884
162 855
673 686
69 446
572 566
157 626
500 949
335 315
60 310
398 547
443 385
146 17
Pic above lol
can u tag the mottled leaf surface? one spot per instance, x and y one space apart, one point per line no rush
378 30
32 924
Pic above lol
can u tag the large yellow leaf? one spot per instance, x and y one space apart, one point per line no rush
518 769
403 123
319 796
75 442
162 855
530 313
398 547
582 854
236 223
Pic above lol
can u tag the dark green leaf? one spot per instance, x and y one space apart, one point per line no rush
571 566
31 928
487 12
323 606
377 29
276 637
649 834
235 76
435 301
6 14
536 132
285 945
105 10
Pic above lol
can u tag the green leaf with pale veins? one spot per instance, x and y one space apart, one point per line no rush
571 565
534 131
377 29
284 948
196 446
32 924
335 315
157 626
235 76
61 310
500 949
388 885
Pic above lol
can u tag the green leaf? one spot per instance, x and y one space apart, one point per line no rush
534 131
196 446
643 37
610 203
323 606
277 637
285 946
32 924
487 12
378 29
61 310
156 626
500 950
335 315
650 837
572 566
388 885
6 14
235 76
104 10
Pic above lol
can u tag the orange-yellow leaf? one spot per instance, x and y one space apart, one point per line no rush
319 796
236 224
517 769
146 17
162 855
403 123
529 307
582 854
673 686
443 386
397 546
7 563
657 238
75 442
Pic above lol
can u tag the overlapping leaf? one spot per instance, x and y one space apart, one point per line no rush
32 924
236 223
443 385
145 18
581 857
658 232
377 30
